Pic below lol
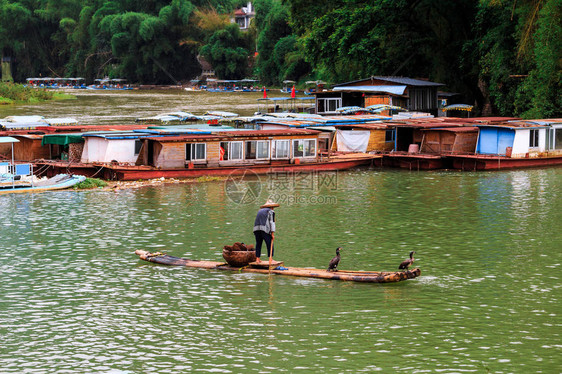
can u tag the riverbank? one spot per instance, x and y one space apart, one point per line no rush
99 184
13 93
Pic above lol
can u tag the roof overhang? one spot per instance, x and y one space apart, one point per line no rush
62 139
8 139
393 90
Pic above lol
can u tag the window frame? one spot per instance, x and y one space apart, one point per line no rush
229 152
557 138
257 142
304 155
534 138
193 152
392 133
140 144
326 104
274 149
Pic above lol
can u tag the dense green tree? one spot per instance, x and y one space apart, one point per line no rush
226 53
354 39
540 95
279 54
504 55
519 57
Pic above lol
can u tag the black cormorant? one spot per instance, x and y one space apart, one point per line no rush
335 261
406 263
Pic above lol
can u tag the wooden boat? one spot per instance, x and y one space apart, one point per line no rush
18 177
135 172
496 162
414 161
203 153
344 275
514 144
58 182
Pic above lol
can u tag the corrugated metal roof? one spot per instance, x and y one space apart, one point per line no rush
551 121
289 123
90 128
112 135
399 80
453 129
367 126
334 120
279 132
237 134
394 90
514 125
183 138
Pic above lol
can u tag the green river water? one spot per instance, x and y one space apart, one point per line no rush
76 299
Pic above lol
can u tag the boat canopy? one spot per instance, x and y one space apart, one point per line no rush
8 139
61 139
464 107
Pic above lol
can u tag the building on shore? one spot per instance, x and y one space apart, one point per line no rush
414 95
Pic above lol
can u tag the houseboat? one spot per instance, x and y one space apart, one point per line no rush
408 138
374 137
147 154
514 144
435 147
18 177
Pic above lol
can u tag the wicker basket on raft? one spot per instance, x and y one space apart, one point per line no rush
239 254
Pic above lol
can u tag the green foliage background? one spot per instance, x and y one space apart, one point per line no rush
503 55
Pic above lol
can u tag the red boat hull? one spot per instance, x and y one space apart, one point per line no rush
483 162
415 161
127 173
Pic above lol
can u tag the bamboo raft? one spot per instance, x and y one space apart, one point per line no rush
344 275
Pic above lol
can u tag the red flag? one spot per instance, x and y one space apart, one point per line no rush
293 92
264 93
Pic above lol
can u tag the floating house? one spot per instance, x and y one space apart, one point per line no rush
150 153
514 144
407 93
111 147
366 137
417 139
436 145
449 140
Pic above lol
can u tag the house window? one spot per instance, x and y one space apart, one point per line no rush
257 149
231 150
390 136
557 138
534 138
138 146
280 149
329 104
196 152
304 148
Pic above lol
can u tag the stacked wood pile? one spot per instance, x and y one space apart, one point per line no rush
239 254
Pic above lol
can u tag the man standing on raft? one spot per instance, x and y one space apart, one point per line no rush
264 229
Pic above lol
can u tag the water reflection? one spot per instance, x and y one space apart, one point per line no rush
75 297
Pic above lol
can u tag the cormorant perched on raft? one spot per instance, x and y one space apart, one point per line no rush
406 263
335 261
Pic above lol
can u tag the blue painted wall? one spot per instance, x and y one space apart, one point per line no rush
494 141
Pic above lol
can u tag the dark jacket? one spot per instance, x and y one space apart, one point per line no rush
265 221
